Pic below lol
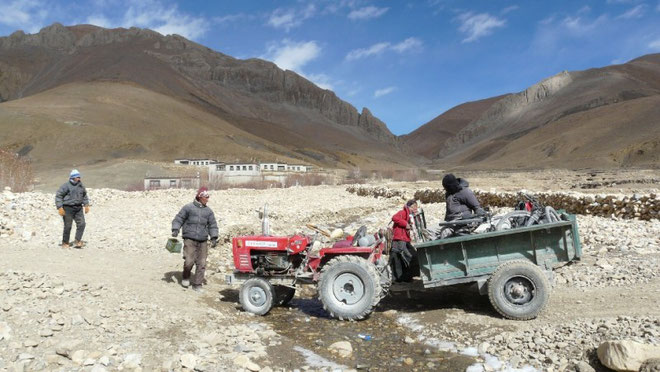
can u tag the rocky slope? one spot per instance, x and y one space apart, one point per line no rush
603 117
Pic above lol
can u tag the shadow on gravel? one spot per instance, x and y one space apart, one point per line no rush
172 277
464 297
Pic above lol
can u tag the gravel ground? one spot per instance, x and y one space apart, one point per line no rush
116 304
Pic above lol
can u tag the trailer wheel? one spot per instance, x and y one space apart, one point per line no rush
518 290
349 287
283 295
257 296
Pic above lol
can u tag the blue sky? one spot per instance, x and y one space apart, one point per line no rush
407 61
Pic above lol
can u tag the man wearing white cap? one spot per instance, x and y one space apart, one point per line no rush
70 200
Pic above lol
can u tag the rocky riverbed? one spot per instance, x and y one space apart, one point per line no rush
117 304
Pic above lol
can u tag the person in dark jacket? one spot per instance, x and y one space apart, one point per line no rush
461 202
71 200
197 222
403 257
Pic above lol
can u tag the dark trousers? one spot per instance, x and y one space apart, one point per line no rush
73 213
194 253
403 259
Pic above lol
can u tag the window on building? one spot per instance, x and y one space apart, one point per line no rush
186 184
172 183
154 183
271 166
251 168
231 167
245 167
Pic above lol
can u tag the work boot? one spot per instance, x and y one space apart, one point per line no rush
185 283
197 288
66 246
79 244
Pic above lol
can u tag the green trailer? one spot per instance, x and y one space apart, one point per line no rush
514 267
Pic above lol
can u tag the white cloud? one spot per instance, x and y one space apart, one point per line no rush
478 25
290 55
579 26
410 43
509 9
655 45
27 14
372 50
381 92
367 13
290 18
636 12
163 19
322 80
99 20
229 18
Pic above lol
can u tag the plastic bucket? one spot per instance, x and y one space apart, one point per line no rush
173 245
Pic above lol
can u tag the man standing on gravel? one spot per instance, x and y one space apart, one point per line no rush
70 200
198 223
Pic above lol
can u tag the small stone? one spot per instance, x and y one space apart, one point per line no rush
46 332
78 356
104 360
188 361
30 343
408 340
408 361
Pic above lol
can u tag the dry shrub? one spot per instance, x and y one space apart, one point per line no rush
15 172
308 179
260 184
356 176
404 175
136 186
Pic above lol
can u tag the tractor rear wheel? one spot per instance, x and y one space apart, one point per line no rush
349 287
518 290
257 296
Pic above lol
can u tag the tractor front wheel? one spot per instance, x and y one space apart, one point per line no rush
257 296
349 287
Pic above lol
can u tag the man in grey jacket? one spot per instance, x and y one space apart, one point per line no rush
70 200
461 201
197 222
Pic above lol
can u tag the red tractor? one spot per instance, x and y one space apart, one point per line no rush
351 276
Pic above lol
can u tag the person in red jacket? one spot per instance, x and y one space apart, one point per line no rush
403 256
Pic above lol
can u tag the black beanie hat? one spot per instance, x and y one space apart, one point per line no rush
450 183
411 202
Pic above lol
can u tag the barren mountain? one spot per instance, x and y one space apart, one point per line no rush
94 94
605 117
430 137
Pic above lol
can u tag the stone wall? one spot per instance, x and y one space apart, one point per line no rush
643 207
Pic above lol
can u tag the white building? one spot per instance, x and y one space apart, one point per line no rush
168 182
196 162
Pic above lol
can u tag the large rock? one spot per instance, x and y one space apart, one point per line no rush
343 348
626 355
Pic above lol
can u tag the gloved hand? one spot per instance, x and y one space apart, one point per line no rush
214 242
60 210
175 233
86 209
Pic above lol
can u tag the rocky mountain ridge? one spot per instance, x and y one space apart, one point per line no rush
210 77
